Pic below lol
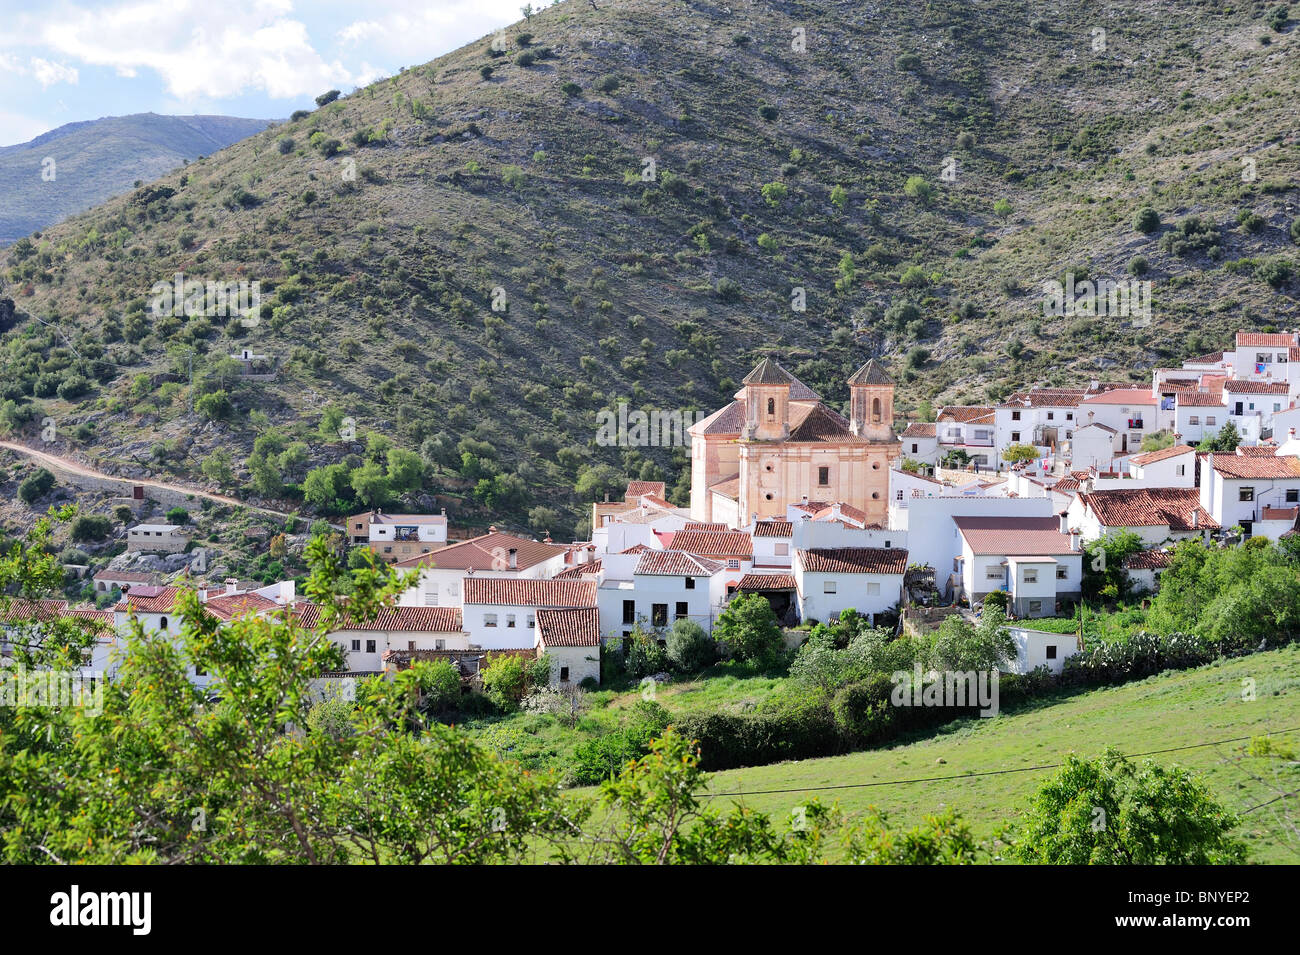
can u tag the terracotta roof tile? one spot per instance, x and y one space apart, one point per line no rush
1148 560
1150 507
1248 387
853 560
1250 467
715 543
763 582
1198 399
676 563
919 429
773 529
488 552
1014 536
578 571
569 627
1265 339
636 488
503 591
405 619
1151 457
964 413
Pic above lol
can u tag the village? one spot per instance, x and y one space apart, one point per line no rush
820 514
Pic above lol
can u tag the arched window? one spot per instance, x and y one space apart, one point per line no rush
875 409
162 623
771 406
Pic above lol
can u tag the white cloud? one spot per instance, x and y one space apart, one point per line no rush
48 73
418 30
198 48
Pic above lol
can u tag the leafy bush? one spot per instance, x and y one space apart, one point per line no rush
690 649
598 759
178 515
1147 220
326 98
644 655
90 527
36 486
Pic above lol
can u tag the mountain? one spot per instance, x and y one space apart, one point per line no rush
101 158
643 189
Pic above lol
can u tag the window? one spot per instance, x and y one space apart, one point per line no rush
690 583
510 620
454 589
1035 606
1246 494
629 611
532 621
823 477
659 615
356 646
1062 573
370 646
410 644
440 644
1015 436
431 598
875 409
914 451
771 407
828 587
898 495
782 550
1263 358
682 613
873 588
994 573
1015 416
1031 575
1069 416
1051 416
564 674
489 620
1292 495
1051 651
162 623
1194 419
1180 469
388 550
199 671
1209 420
733 564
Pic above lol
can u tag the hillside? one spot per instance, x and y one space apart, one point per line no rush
101 158
1164 712
380 224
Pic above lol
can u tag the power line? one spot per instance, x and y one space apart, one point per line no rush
990 772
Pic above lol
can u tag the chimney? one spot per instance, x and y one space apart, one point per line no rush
1065 523
1074 541
492 528
835 511
1290 434
231 585
1196 518
444 512
203 595
513 558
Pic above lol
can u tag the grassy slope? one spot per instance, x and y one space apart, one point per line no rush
1170 710
395 270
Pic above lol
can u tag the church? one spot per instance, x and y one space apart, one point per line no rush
777 444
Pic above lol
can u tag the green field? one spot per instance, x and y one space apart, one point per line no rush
1163 712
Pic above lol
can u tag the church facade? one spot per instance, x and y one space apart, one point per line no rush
777 444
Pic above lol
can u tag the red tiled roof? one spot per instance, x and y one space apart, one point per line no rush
919 429
853 560
773 529
1278 513
714 543
1045 398
488 552
728 487
1151 457
1265 340
855 514
821 424
1238 467
1014 536
636 488
675 563
1121 396
149 600
963 413
17 609
229 606
406 619
635 549
1148 560
1198 399
702 526
1150 507
1255 387
577 571
1256 450
1213 358
762 582
529 593
569 627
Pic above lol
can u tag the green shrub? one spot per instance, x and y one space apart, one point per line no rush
690 649
749 630
1147 220
36 486
90 527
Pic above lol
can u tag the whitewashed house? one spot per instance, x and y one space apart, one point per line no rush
1199 415
157 538
1155 514
393 628
1144 569
665 586
1035 648
498 555
831 580
1038 566
1174 466
1129 412
570 636
1236 488
501 614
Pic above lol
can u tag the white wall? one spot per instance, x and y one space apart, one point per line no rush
932 537
1031 649
869 594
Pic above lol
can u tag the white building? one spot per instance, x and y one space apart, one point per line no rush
393 628
157 538
501 614
1035 648
1174 466
1029 558
494 554
829 581
570 636
663 586
1155 514
1199 415
1237 488
1129 412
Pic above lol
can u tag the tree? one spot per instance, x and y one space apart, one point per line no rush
1147 220
958 646
690 649
215 405
839 197
405 470
36 485
326 98
90 527
749 630
178 515
504 681
1224 442
328 486
918 188
1107 811
216 468
331 420
597 480
1018 453
371 485
1103 564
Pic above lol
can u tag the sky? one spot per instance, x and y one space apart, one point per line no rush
67 60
